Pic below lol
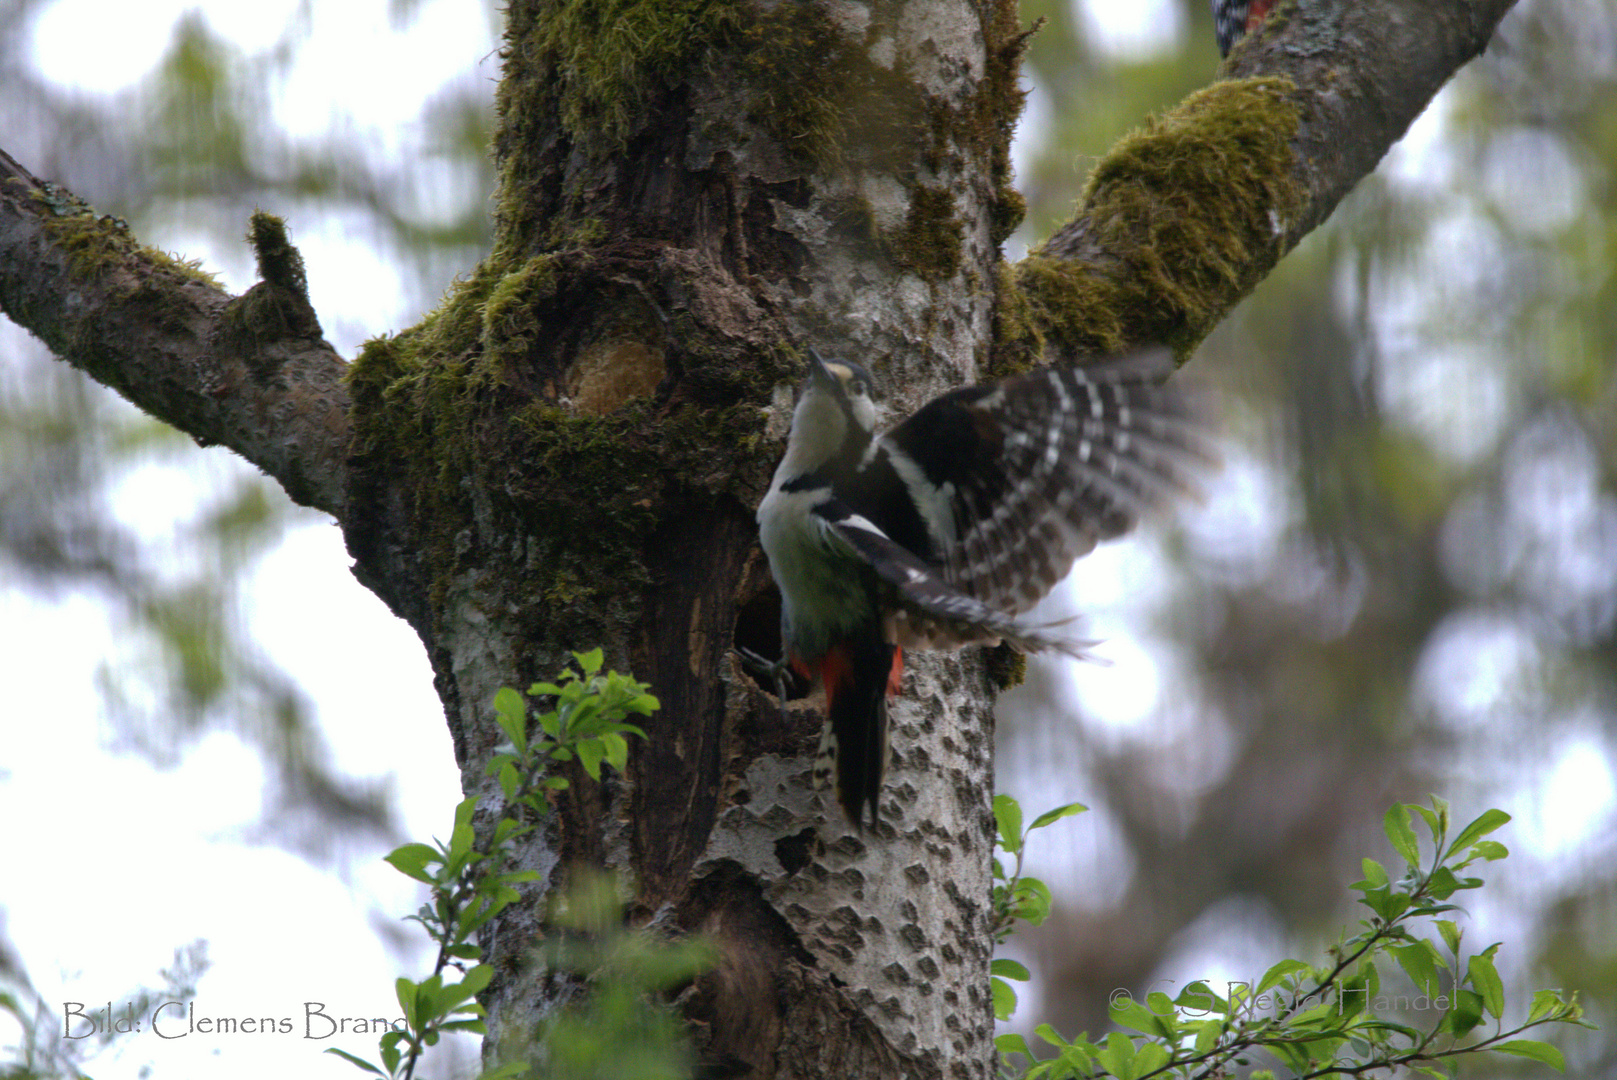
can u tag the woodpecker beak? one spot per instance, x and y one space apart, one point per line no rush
818 372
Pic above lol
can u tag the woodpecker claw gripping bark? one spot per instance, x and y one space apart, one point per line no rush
945 530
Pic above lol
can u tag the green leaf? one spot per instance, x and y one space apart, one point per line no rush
352 1060
550 722
510 781
1532 1048
1321 1016
1353 995
1375 875
1417 962
460 848
645 705
1004 998
1197 997
1129 1013
1490 850
1009 969
512 713
1434 821
1545 1003
1208 1036
1399 833
1050 817
590 753
1465 1014
478 978
476 1027
1405 1030
1443 884
1030 901
1012 1042
1151 1057
1008 817
1280 971
1161 1007
1380 902
411 860
582 719
406 992
1051 1036
1118 1056
1482 826
1486 982
590 661
617 750
1288 1054
1451 934
445 998
391 1054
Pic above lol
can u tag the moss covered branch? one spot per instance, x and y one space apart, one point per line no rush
251 372
1184 217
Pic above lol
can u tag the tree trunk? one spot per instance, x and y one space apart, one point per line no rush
569 450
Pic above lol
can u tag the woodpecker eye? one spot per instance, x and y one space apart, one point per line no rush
857 387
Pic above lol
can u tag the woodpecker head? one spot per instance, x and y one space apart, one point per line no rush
848 384
835 417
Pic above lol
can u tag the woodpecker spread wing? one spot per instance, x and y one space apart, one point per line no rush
1017 479
930 610
944 531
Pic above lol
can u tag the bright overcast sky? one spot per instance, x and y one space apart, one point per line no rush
131 862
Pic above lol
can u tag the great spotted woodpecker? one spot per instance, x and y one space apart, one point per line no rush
945 530
1233 19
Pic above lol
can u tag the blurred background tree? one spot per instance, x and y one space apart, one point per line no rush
1405 579
210 724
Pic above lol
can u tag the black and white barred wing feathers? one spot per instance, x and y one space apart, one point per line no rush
1026 475
930 611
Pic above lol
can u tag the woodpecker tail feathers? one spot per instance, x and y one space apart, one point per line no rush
858 675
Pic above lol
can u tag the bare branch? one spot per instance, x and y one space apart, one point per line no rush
250 372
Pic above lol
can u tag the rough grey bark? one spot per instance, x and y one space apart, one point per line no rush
569 451
173 343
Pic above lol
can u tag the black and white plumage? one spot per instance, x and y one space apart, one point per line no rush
946 529
1233 19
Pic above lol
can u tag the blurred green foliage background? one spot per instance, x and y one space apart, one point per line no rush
1404 579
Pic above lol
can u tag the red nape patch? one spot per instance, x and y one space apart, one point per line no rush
895 677
1256 11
